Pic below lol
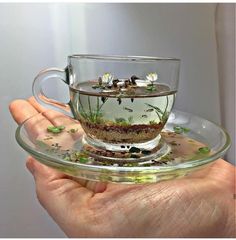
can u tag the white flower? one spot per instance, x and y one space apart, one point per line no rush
107 78
152 77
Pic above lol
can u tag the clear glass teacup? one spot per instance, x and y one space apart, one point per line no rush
121 102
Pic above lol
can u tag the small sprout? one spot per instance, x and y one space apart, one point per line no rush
152 122
179 129
130 119
56 130
134 150
73 130
151 88
186 130
121 121
53 129
107 78
83 160
49 128
67 158
204 150
152 77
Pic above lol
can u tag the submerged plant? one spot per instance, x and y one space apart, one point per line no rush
152 122
123 121
93 115
162 115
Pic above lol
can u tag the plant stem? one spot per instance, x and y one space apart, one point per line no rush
97 110
90 110
167 103
102 105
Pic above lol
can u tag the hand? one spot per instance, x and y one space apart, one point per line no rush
199 205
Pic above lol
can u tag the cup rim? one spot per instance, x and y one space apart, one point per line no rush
122 58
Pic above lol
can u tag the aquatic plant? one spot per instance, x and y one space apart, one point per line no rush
162 115
94 116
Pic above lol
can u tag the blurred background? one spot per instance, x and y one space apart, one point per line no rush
37 36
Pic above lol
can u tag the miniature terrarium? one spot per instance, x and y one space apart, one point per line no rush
122 103
121 126
123 112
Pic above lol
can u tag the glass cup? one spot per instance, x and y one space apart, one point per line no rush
121 102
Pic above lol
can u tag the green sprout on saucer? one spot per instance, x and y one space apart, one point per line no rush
179 129
54 129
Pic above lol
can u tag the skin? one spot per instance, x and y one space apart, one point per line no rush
199 205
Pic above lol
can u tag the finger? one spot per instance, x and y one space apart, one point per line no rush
21 110
58 119
37 129
35 126
96 187
47 172
36 105
40 108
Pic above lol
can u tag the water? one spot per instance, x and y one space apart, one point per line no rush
112 117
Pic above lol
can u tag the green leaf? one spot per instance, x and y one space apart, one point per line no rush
150 88
61 127
154 107
179 129
204 150
83 160
55 129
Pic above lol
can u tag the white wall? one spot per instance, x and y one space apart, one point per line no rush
26 46
185 31
35 36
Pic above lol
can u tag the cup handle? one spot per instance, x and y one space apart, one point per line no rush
42 99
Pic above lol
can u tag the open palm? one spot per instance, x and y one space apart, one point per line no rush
199 205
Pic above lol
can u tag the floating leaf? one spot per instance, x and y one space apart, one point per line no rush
204 150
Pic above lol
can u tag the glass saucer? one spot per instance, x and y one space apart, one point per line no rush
193 142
